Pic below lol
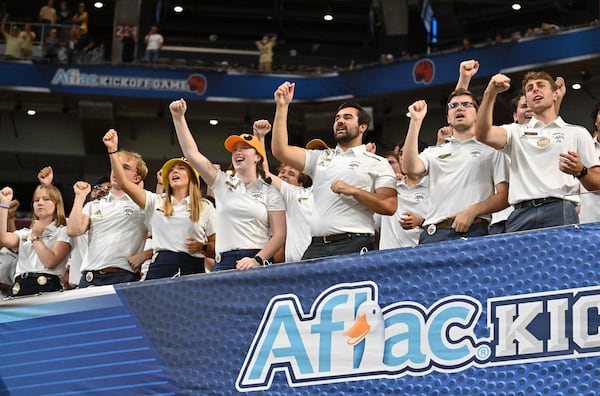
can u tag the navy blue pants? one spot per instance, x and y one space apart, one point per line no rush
168 264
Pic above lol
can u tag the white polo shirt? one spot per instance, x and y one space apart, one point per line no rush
242 212
117 231
170 232
461 173
28 260
413 199
590 201
336 213
534 150
298 212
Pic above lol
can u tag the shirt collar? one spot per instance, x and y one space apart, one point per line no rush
535 123
356 150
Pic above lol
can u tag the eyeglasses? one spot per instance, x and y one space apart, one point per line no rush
101 187
466 105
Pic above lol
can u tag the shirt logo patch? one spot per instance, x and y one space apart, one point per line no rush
543 142
475 153
128 210
354 165
258 196
558 136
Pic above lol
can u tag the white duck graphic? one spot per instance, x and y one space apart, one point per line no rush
367 337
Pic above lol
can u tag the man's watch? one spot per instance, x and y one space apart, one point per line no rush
584 172
204 247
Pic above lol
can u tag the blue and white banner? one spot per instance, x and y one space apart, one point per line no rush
507 314
146 82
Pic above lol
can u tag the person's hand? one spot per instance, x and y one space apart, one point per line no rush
570 163
499 83
37 228
418 110
246 263
12 211
443 133
82 188
46 176
285 93
468 68
463 220
409 220
136 261
178 108
111 140
6 195
341 187
193 245
261 128
561 88
371 147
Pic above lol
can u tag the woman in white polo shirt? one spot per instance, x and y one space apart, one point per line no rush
179 219
43 248
250 211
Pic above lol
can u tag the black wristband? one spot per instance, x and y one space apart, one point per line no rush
583 172
204 247
113 152
260 260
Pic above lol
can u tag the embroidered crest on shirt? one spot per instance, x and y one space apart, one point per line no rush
558 136
97 215
475 153
258 196
446 155
232 182
128 210
419 197
353 165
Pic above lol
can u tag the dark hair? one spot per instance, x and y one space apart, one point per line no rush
514 103
260 170
363 116
459 92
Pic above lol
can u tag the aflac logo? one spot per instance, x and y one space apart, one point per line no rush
347 336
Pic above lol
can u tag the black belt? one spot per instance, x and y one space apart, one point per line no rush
338 237
34 275
534 203
447 223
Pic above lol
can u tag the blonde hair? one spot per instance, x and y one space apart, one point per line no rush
193 193
140 165
58 216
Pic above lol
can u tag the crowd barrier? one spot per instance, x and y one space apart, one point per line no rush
507 314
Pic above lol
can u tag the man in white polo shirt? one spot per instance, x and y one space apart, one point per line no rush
349 183
548 156
116 227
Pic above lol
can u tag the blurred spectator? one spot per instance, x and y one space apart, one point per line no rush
13 41
265 48
64 14
81 17
129 40
154 42
84 44
48 13
51 46
27 37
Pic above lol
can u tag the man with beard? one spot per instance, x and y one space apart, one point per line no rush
549 158
467 180
349 183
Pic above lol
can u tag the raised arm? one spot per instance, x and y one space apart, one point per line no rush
412 165
188 145
260 129
291 155
466 71
46 176
7 239
137 194
485 132
78 222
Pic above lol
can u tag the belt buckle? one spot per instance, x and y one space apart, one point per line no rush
431 229
325 239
